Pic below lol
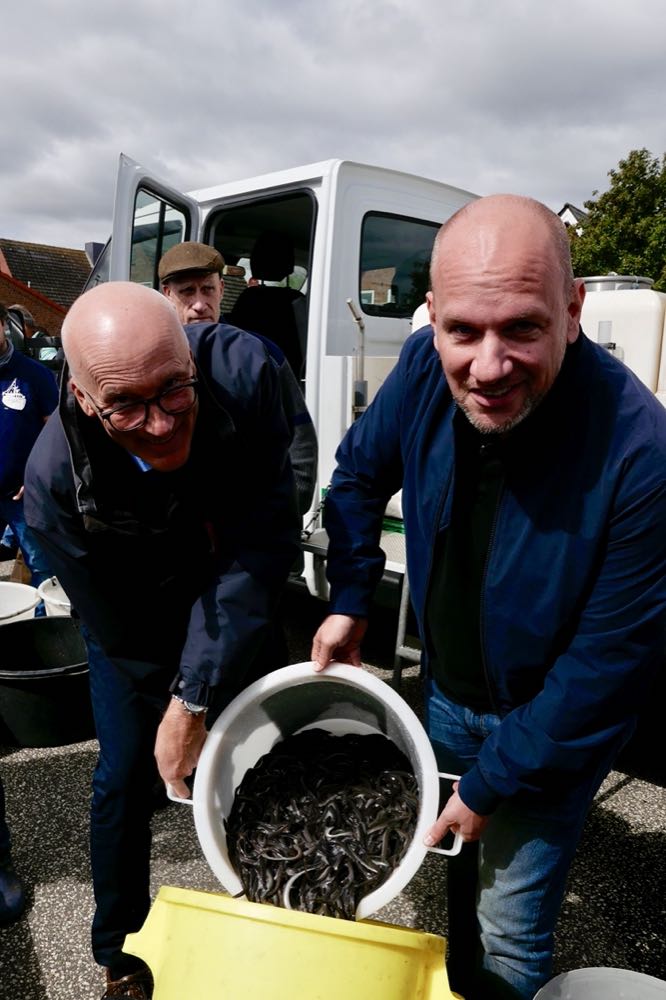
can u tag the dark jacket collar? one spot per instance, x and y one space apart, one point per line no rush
91 449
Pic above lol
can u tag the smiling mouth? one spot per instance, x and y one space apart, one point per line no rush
162 442
493 394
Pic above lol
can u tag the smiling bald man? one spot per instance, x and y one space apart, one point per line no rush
533 470
163 495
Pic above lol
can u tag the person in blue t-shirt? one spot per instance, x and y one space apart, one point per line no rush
28 394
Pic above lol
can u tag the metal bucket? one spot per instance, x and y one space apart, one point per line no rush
616 282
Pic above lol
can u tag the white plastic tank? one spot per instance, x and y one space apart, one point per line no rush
624 311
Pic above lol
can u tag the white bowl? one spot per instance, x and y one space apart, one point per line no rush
341 699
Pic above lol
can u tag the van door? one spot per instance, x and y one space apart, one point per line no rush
149 216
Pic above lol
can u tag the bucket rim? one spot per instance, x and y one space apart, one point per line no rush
598 974
370 931
70 669
294 675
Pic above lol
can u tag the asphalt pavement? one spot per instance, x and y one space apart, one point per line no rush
614 913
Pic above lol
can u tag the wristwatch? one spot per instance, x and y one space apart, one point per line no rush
189 706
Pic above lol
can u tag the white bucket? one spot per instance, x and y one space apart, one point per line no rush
603 984
341 699
55 599
17 601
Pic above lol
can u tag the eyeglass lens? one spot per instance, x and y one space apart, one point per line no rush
178 399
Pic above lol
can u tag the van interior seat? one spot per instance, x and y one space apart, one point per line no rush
269 310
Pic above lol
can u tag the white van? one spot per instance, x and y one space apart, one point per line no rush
361 238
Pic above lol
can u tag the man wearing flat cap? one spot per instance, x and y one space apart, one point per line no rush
191 276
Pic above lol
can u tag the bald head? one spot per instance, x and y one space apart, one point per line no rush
125 346
115 321
504 306
485 224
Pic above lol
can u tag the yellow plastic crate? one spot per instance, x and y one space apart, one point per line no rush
210 946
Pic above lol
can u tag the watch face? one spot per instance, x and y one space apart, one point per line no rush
190 706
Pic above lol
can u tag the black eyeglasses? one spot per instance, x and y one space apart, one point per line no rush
131 416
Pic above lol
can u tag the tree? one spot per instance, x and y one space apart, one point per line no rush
625 230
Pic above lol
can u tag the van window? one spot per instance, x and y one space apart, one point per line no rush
157 227
395 262
267 243
234 231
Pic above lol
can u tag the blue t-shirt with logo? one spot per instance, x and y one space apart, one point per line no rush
28 394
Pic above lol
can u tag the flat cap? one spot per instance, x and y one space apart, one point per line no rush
190 257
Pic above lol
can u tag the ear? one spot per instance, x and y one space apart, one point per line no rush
166 290
82 399
574 309
430 301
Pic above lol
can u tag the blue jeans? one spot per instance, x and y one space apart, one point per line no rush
11 511
8 537
505 892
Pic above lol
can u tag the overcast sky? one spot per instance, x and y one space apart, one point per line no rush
538 98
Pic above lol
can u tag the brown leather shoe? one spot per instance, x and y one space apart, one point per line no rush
137 986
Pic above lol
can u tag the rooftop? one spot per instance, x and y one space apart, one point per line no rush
58 273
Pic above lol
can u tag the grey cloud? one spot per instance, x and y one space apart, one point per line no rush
542 99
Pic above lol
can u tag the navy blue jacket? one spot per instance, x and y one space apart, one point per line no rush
574 594
177 571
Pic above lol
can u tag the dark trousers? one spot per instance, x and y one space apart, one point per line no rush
127 714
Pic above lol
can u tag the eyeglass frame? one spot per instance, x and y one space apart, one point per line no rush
146 403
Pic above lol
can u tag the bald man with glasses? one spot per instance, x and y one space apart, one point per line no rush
163 494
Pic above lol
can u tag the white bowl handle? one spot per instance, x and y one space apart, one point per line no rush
176 798
457 838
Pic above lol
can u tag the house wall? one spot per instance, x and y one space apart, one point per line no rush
48 316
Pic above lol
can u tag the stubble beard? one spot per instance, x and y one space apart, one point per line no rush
530 403
478 423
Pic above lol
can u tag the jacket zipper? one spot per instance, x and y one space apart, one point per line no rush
482 604
433 543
